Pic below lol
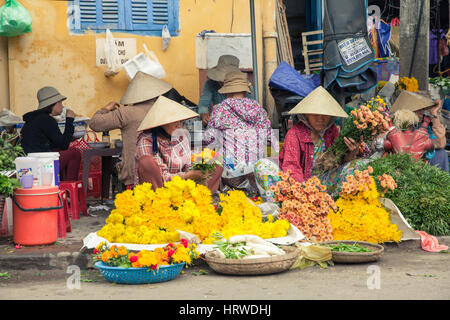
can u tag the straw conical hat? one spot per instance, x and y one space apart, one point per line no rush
144 87
319 101
165 111
411 101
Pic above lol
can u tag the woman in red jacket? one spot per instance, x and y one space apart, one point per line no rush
314 132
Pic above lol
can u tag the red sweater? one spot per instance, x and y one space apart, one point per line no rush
298 150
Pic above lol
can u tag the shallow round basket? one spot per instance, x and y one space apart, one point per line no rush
139 275
274 264
357 257
97 145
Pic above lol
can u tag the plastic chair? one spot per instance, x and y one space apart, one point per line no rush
64 224
77 198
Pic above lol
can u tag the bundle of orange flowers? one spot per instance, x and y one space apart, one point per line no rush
115 256
361 216
305 205
364 124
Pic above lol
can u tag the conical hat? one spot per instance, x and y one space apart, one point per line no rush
144 87
165 111
319 101
411 101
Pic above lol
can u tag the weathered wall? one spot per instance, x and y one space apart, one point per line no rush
4 79
50 55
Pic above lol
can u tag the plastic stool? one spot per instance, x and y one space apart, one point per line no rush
94 187
77 198
64 224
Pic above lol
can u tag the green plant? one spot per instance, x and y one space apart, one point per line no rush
422 194
7 185
444 83
9 152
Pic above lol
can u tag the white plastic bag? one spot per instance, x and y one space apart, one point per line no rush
165 37
112 55
152 66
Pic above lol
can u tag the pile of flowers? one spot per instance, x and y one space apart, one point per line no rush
364 123
305 205
144 216
361 216
239 216
120 256
408 84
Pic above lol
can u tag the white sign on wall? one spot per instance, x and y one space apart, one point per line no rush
126 49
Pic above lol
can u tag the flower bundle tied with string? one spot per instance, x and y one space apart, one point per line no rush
364 124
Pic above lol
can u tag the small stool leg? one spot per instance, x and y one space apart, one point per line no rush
82 198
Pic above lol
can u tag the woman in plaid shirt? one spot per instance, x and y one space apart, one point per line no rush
163 151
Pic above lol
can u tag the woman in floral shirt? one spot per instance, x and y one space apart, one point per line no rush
239 127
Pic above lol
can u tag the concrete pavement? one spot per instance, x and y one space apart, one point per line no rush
69 251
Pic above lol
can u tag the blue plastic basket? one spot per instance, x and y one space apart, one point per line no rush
139 275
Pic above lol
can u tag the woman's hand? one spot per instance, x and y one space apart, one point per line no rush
111 106
195 175
70 114
353 148
435 110
205 118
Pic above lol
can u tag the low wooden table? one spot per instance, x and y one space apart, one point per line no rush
107 167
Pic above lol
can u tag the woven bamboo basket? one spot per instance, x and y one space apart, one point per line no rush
357 257
274 264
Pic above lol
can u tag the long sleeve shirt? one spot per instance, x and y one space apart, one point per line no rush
41 133
127 119
297 154
173 156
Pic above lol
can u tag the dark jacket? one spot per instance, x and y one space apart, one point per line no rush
41 133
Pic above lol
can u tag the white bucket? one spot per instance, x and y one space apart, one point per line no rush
27 165
48 162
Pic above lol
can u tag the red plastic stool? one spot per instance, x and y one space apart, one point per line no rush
64 224
94 187
77 198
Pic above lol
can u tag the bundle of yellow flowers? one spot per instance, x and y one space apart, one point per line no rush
239 215
144 216
408 84
361 216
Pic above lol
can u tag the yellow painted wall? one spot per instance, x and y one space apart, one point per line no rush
50 56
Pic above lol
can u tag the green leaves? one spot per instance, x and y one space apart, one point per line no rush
230 250
342 247
7 185
8 152
423 192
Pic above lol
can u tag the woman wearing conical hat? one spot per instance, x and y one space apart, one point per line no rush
163 151
139 97
314 132
427 110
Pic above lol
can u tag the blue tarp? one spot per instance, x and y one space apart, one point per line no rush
287 78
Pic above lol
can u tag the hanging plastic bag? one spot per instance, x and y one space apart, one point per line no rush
165 37
152 65
14 19
112 55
